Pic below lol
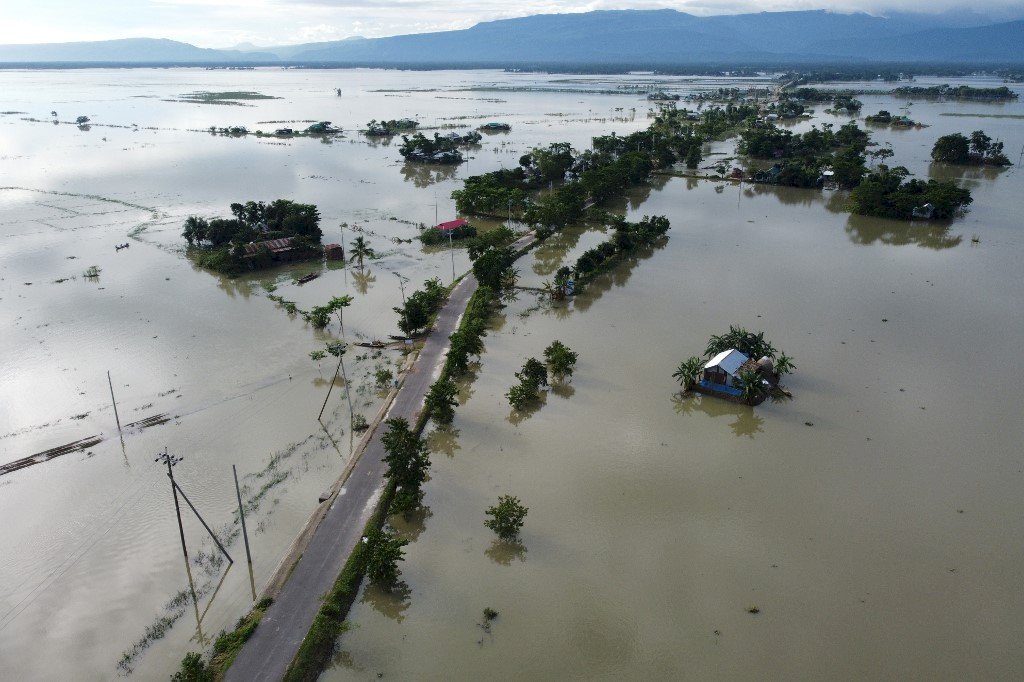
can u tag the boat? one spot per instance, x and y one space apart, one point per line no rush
307 278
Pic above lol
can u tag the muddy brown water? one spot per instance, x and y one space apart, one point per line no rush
654 522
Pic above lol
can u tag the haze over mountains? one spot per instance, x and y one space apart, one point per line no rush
614 37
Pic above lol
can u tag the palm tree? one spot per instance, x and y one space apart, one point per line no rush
784 364
750 384
688 372
360 250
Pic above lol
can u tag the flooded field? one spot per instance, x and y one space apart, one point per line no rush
872 520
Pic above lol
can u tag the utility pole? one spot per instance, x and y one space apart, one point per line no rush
116 417
331 386
245 533
170 461
401 283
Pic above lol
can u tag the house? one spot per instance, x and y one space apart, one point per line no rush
334 252
926 212
723 369
280 249
451 225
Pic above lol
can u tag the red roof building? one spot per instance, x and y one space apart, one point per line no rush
451 225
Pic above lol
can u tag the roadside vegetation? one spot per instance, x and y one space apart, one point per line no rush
420 307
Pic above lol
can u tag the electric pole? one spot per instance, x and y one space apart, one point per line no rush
170 461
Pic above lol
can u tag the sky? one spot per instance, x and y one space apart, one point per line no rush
224 23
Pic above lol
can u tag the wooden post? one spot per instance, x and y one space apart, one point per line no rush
116 417
245 534
330 388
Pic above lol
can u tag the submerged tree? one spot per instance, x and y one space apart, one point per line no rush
561 360
507 517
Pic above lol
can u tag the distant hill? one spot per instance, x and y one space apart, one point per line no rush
670 37
128 50
613 37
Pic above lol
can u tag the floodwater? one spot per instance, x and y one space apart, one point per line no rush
880 540
873 520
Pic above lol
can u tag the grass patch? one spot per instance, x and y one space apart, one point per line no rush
229 97
978 115
228 644
225 648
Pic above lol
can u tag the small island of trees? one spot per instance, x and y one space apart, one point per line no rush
439 149
977 150
389 128
258 236
887 193
802 159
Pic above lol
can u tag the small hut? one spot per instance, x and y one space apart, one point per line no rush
334 252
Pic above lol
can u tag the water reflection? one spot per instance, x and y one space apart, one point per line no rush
833 201
946 171
444 440
517 417
563 390
392 603
504 552
618 276
747 422
425 175
235 287
930 235
362 280
550 254
411 525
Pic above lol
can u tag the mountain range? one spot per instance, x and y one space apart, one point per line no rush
610 37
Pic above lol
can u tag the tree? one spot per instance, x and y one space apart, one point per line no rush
784 364
750 384
521 395
954 148
489 268
193 669
384 551
693 156
506 518
980 142
689 372
561 360
534 373
360 250
195 230
338 304
440 401
408 460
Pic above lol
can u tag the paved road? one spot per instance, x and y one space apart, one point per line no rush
272 647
